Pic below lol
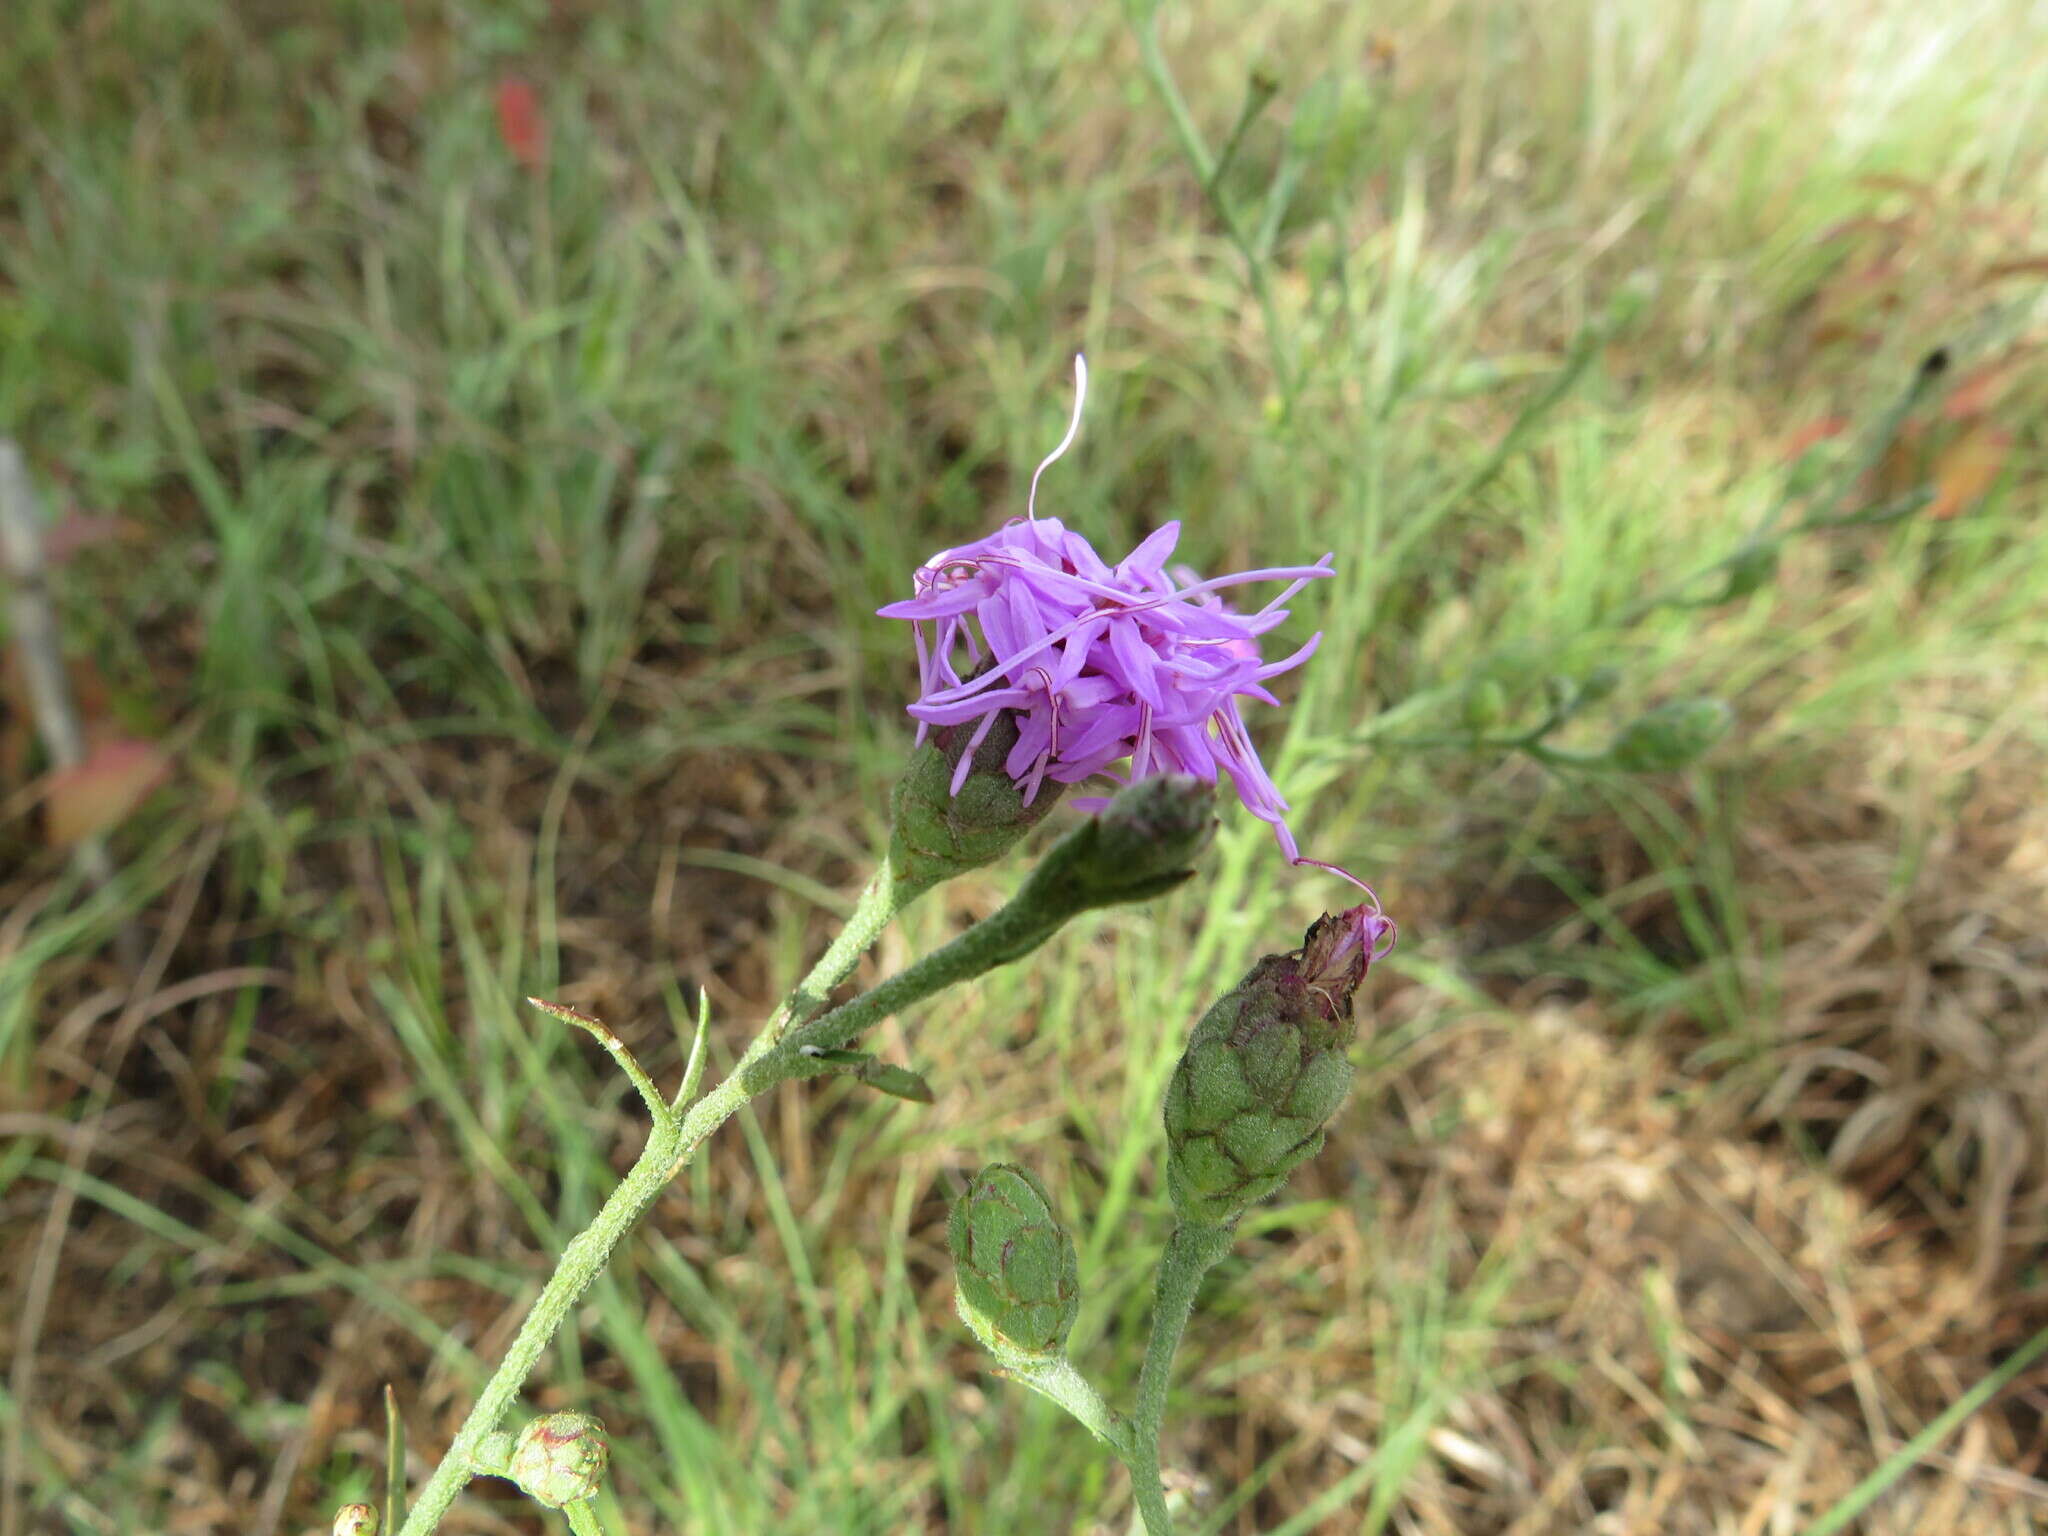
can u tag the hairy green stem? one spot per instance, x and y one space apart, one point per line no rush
1191 1253
1005 935
669 1148
581 1263
1083 871
1059 1380
1107 860
881 901
583 1519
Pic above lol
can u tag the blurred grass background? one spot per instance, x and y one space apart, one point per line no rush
504 504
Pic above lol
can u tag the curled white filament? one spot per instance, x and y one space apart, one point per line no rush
1073 430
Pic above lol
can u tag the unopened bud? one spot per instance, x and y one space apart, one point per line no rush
1154 828
1016 1276
1143 844
1670 736
356 1520
560 1458
1265 1069
939 834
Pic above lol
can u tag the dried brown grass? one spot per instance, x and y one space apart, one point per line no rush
1729 1298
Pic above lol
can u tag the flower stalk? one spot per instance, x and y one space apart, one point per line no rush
1042 666
1264 1070
1192 1251
679 1128
1144 845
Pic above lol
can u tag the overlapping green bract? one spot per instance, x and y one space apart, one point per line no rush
939 834
560 1458
1264 1071
1017 1275
1141 847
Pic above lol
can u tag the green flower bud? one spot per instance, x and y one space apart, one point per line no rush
1143 844
1265 1070
560 1458
1017 1279
356 1520
1152 830
939 834
1670 736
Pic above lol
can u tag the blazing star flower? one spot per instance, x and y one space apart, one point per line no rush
1137 663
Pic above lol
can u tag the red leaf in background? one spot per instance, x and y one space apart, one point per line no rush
77 530
1979 390
521 128
116 776
1966 469
17 733
1815 432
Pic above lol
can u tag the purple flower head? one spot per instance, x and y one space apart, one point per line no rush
1136 664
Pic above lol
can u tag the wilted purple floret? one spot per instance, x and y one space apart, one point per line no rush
1101 663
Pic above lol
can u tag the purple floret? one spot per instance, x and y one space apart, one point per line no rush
1133 664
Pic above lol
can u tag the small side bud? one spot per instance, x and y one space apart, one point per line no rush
560 1458
356 1520
1670 736
1143 844
939 834
1153 829
1265 1069
1017 1278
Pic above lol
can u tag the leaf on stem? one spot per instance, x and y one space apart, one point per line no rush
882 1076
649 1094
693 1069
897 1082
